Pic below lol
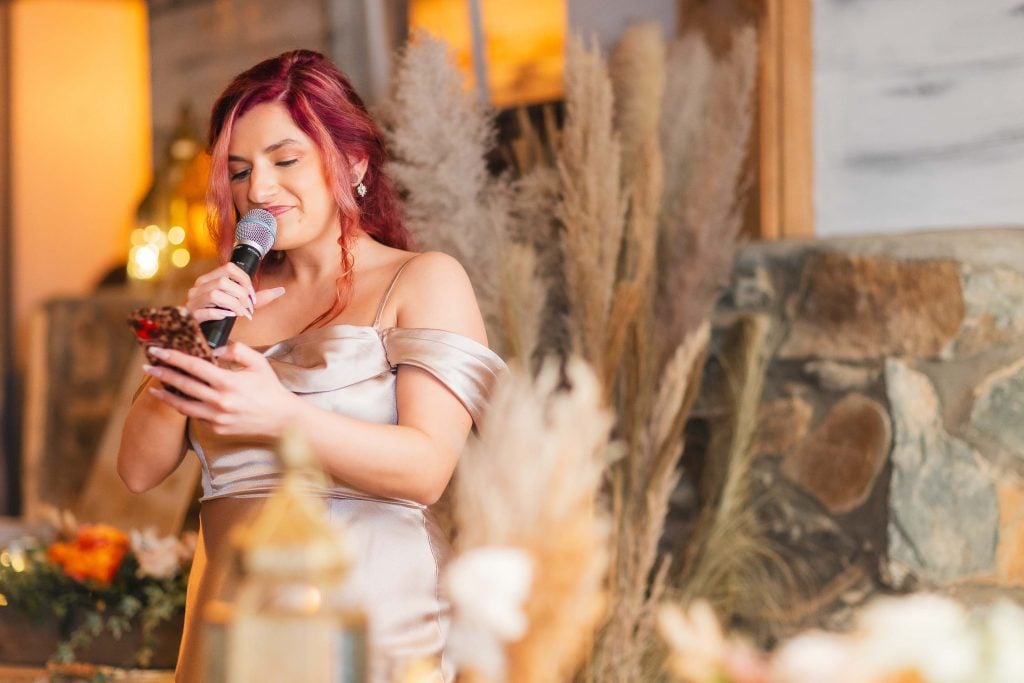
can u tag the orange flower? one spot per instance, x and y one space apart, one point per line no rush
96 553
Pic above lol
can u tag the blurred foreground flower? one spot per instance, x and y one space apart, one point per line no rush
913 639
700 652
488 587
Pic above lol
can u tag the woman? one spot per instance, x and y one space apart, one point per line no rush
378 355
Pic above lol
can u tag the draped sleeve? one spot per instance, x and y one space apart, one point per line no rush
466 367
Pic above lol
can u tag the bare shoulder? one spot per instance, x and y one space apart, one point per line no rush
434 291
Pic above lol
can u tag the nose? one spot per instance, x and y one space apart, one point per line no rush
262 184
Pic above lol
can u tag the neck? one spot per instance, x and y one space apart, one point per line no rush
321 260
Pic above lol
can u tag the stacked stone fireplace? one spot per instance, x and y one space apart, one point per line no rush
891 427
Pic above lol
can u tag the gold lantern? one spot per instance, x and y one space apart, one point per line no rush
290 621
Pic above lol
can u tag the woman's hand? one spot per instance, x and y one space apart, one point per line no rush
224 292
246 400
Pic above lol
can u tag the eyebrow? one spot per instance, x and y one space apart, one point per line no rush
272 148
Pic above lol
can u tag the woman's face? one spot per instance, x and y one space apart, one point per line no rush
273 165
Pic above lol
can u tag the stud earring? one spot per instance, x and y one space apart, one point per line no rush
361 189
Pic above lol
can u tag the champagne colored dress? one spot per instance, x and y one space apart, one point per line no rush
398 549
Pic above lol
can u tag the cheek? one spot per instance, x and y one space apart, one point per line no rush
238 196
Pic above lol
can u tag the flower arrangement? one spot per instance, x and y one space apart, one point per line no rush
919 638
96 579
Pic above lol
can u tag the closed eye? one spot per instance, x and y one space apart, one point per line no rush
287 162
240 175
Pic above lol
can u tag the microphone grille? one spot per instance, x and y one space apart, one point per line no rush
259 228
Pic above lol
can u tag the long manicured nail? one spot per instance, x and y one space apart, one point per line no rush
252 300
159 352
159 393
247 313
151 369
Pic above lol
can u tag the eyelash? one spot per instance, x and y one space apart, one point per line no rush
242 175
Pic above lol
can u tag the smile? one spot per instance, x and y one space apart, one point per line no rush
278 210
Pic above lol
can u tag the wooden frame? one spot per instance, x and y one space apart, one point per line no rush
786 126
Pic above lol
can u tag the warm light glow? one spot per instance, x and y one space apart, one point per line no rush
80 140
198 236
180 257
450 21
525 47
176 235
524 44
5 559
138 237
18 562
143 262
3 600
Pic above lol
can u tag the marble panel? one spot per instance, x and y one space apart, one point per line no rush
919 114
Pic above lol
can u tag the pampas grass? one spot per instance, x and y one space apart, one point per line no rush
439 136
701 218
547 447
631 249
592 204
729 561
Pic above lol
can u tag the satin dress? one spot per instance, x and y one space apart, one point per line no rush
398 548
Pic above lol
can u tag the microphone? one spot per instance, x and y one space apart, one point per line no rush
254 236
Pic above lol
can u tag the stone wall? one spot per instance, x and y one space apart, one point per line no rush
891 438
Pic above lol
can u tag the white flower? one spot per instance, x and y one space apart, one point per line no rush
924 633
815 657
1005 631
487 587
160 558
695 639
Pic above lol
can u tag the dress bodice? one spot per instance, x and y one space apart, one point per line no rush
351 370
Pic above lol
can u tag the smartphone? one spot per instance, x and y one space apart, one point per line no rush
169 327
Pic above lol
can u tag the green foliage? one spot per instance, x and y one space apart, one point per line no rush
85 610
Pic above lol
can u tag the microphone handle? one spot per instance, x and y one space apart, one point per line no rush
216 332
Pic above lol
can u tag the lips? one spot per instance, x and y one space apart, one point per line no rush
278 210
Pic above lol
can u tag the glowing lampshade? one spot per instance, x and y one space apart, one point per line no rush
523 43
80 140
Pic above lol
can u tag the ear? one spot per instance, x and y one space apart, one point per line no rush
357 169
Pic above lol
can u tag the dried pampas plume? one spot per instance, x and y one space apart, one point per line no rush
701 218
438 136
547 447
592 205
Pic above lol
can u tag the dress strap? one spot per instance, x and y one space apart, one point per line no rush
387 292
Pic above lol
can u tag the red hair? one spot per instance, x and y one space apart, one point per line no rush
325 106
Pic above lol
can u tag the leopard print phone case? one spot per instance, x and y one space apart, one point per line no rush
169 327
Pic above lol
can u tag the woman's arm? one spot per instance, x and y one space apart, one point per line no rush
414 459
152 442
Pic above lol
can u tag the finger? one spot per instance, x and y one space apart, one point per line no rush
204 314
222 292
186 384
242 278
265 296
203 370
239 353
228 277
240 305
184 406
